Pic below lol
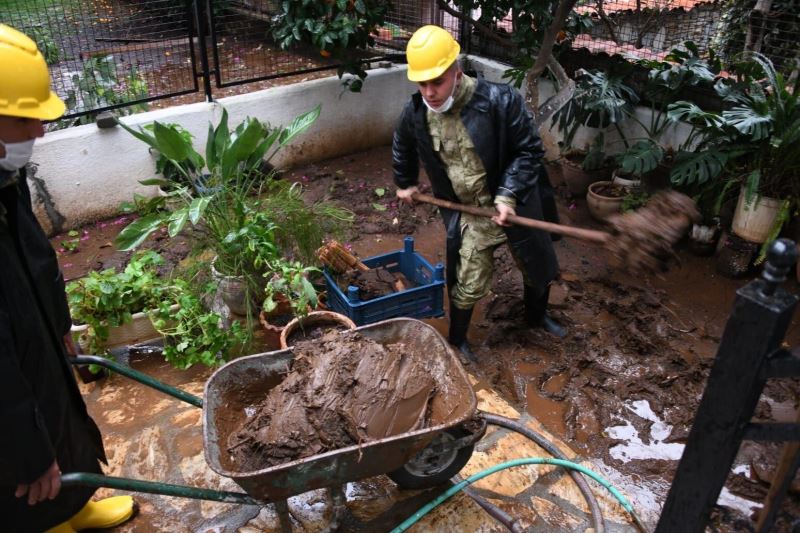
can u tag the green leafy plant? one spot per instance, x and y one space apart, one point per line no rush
193 334
107 299
337 28
45 43
634 200
98 85
754 139
290 280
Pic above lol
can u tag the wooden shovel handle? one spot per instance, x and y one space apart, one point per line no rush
600 237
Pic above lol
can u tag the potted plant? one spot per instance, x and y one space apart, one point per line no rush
754 139
605 198
288 294
600 100
110 308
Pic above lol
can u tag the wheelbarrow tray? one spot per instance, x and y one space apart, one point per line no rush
233 391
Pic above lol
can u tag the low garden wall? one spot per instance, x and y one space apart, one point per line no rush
84 173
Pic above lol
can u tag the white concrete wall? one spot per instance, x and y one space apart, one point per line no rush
88 172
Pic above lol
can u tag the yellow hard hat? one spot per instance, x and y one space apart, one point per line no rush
430 51
24 79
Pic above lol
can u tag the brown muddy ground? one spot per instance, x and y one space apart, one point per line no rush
638 350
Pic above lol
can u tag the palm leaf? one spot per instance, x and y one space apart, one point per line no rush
640 158
749 121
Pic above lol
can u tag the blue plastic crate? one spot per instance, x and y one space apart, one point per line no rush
424 300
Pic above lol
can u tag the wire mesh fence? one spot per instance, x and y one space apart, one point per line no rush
109 53
125 53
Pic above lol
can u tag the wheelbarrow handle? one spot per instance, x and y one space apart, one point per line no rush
86 479
137 376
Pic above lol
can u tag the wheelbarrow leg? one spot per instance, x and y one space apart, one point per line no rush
282 508
341 517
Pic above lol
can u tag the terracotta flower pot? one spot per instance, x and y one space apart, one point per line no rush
312 320
605 199
274 322
577 179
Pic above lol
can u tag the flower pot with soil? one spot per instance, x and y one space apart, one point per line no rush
752 221
577 178
313 326
605 199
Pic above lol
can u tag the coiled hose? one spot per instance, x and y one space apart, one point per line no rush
413 519
580 481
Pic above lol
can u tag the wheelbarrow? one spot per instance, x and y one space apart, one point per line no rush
417 459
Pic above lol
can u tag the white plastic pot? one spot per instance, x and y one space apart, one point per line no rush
139 330
753 222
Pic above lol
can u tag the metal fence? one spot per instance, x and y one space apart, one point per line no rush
107 54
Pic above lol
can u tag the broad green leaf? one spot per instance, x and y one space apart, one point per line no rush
197 207
378 207
263 148
243 146
380 191
137 231
310 292
299 125
156 181
211 151
749 121
177 221
221 140
171 143
141 135
698 167
642 157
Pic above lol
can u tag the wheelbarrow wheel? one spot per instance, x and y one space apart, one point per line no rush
436 463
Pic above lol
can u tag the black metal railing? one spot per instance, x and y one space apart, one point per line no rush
749 354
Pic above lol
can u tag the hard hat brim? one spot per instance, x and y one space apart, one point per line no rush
50 109
427 74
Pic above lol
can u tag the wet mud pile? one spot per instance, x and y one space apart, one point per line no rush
373 283
641 241
343 389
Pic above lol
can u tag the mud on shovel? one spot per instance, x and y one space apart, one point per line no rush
640 241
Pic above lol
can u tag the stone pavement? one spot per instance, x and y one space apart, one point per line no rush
151 436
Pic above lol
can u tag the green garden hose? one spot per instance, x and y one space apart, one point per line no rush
413 519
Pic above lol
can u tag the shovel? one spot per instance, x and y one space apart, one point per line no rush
638 242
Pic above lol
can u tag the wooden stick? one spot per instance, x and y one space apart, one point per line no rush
599 237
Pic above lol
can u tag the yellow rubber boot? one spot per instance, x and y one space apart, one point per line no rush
103 514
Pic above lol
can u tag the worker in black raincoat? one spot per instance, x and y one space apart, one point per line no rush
46 427
479 147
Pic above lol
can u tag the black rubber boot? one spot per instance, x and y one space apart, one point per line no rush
536 313
459 324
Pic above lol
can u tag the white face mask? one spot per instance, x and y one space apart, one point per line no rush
17 155
445 107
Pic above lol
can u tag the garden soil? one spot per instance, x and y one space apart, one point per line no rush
638 349
343 389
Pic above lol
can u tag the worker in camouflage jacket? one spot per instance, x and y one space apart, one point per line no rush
479 147
47 427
